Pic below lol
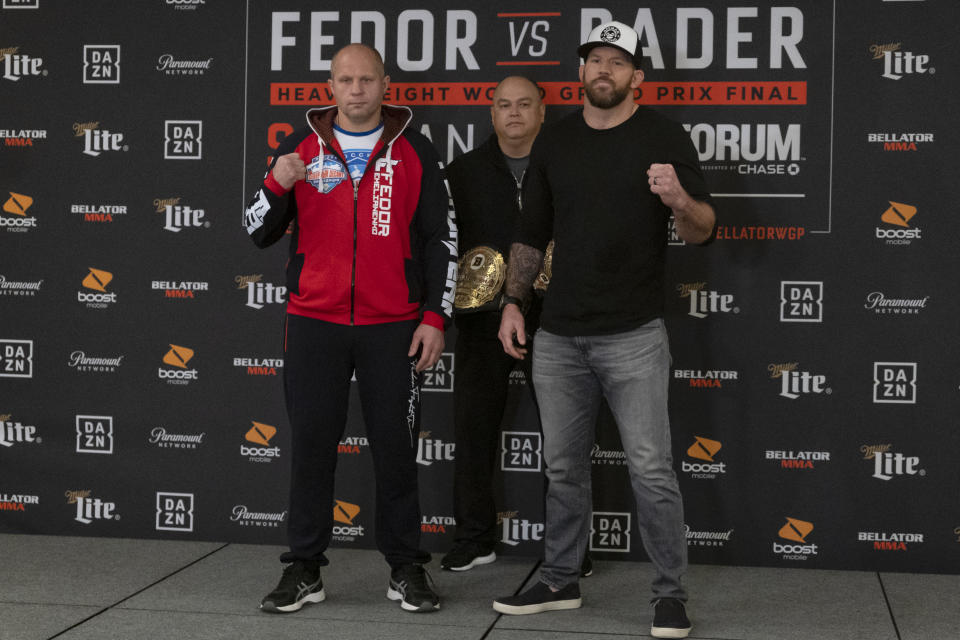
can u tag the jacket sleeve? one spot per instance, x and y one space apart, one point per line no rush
272 207
437 231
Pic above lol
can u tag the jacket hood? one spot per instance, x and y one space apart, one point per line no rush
395 120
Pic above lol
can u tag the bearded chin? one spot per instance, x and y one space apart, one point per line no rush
606 100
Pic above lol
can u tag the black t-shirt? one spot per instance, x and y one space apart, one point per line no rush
587 189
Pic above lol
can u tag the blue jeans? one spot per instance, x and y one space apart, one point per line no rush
631 370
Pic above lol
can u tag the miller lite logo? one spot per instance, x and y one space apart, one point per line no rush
183 140
261 293
18 65
101 64
439 377
16 358
174 511
895 382
177 217
801 301
16 432
704 302
794 383
887 464
430 450
97 140
522 451
898 63
610 531
94 434
90 509
515 530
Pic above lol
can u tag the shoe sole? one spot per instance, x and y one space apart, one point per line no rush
527 609
487 559
426 607
669 632
269 607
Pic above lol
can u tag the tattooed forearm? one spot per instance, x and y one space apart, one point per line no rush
522 269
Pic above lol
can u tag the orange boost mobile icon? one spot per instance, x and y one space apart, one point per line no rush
178 356
796 530
898 214
261 433
704 449
344 511
17 204
97 279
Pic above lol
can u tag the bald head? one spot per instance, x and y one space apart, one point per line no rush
517 113
358 51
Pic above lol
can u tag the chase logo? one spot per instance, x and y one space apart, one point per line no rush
895 382
16 358
94 434
174 511
183 140
610 531
522 451
439 377
101 64
801 301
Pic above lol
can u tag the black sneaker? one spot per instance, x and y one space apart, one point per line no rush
299 585
539 598
465 556
670 619
586 569
410 585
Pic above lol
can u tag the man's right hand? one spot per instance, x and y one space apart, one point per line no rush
288 169
511 326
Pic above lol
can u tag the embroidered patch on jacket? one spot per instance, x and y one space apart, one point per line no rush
326 176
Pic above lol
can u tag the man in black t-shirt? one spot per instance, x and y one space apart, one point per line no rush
603 183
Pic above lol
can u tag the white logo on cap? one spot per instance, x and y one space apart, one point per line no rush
610 34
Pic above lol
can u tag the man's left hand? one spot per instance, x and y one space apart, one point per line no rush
430 341
664 182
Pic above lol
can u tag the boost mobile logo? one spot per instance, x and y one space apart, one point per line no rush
610 531
183 140
704 449
174 511
260 434
801 301
97 280
895 382
430 450
345 513
703 302
101 64
17 204
522 451
177 357
898 215
795 531
94 434
96 140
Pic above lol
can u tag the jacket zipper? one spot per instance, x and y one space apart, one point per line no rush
353 274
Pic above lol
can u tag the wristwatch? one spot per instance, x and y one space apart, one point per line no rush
505 300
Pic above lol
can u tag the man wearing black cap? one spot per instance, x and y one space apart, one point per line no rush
603 183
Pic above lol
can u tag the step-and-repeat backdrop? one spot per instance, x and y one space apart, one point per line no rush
814 383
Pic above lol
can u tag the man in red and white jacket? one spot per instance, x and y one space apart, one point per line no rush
371 281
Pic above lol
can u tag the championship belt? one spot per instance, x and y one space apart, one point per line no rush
481 274
546 271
